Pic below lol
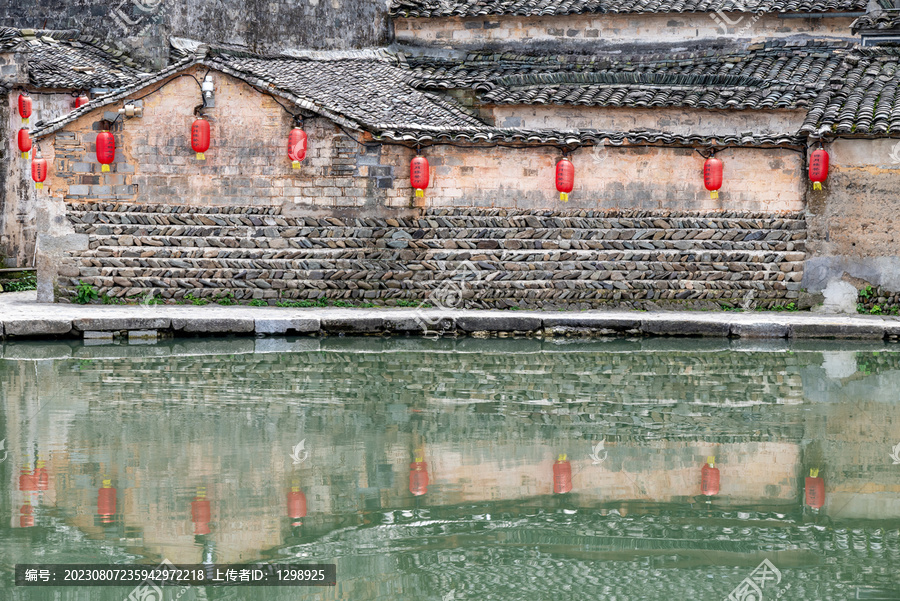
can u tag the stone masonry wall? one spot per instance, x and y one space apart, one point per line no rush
853 221
487 258
584 30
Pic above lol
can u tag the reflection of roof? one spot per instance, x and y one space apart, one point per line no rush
772 75
536 8
66 60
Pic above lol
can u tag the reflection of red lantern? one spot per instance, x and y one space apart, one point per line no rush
106 502
26 517
818 168
38 170
24 106
41 476
418 175
27 481
106 149
565 178
709 478
418 477
713 174
201 512
296 147
815 490
200 138
562 475
24 141
296 505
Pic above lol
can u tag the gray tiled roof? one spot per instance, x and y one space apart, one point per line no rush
862 97
67 60
772 75
478 8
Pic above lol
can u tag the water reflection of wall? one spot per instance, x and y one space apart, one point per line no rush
489 423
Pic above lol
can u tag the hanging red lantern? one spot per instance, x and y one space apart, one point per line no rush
565 178
418 175
709 477
24 142
26 517
818 168
815 490
106 149
106 502
418 477
38 170
713 170
200 138
81 100
42 478
296 505
27 481
24 106
562 475
201 512
296 147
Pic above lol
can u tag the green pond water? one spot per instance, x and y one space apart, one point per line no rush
308 450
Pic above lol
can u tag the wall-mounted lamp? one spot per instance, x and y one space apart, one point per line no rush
132 109
208 91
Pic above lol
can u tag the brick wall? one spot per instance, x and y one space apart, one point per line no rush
590 29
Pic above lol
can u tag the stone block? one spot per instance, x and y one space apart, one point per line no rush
213 325
498 323
760 330
94 335
839 329
352 324
142 335
685 327
115 324
598 322
37 327
285 325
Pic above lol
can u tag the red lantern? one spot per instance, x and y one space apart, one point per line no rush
26 519
24 106
200 138
815 490
42 478
709 477
106 149
418 477
81 100
27 481
562 474
201 512
296 147
712 176
38 171
24 142
296 505
565 178
818 168
106 502
418 175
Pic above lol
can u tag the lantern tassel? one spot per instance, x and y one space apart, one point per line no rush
564 197
24 119
24 155
713 193
420 192
104 168
39 185
562 457
295 164
817 185
711 460
201 156
814 473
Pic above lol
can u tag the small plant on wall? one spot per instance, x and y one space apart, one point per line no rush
85 293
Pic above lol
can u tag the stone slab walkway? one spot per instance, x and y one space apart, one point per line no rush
22 317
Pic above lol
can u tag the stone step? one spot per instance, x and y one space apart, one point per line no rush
486 235
787 243
425 284
331 254
688 221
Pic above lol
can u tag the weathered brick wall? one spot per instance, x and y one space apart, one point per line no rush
569 30
246 165
853 221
